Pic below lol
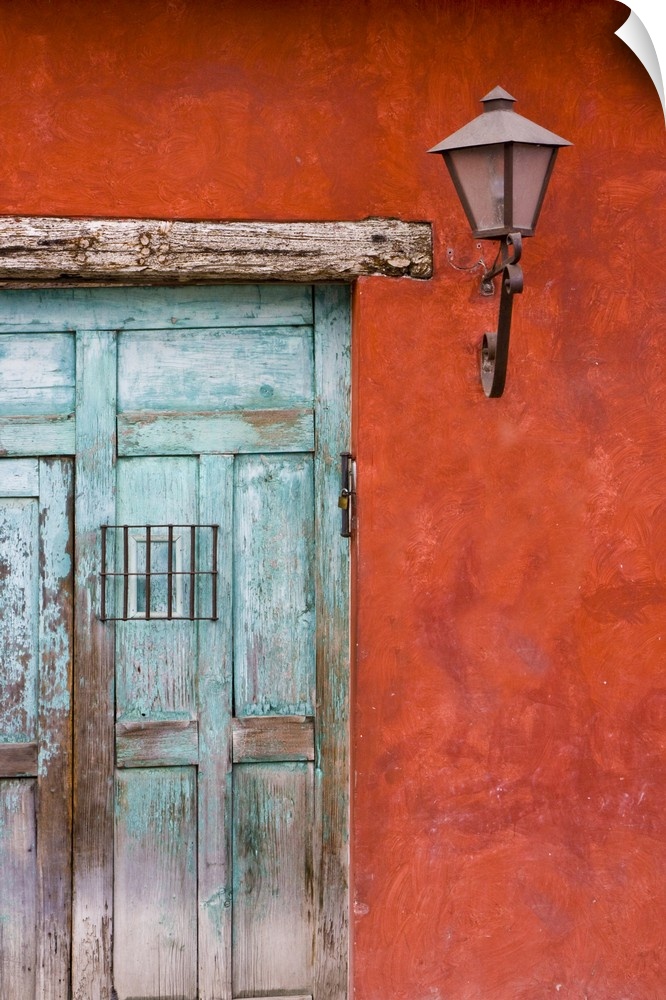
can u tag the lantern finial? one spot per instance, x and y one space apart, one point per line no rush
498 100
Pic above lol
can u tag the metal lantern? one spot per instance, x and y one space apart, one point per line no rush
500 164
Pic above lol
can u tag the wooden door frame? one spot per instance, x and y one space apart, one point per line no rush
65 253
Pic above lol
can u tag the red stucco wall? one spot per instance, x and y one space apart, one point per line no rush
509 692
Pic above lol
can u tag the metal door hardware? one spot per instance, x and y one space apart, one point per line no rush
347 498
166 571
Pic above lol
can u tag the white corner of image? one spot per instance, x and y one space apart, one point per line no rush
644 33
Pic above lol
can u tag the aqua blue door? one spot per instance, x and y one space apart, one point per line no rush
36 569
202 428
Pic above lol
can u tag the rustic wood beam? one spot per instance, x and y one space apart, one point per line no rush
65 251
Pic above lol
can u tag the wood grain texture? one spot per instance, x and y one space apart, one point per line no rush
94 686
153 251
36 374
19 618
299 996
210 370
155 891
214 433
273 890
54 803
214 788
37 435
18 760
156 661
333 375
36 642
157 743
182 308
273 738
19 927
157 665
19 477
274 658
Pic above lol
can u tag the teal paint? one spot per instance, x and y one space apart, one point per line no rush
19 618
226 406
19 477
272 863
154 308
274 617
210 370
55 626
36 374
92 875
169 716
52 435
155 882
215 712
245 431
156 661
333 381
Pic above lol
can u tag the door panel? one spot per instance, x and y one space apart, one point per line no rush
187 307
210 771
215 391
36 374
164 814
19 622
18 899
265 508
35 726
156 661
37 386
155 883
216 433
273 871
274 617
225 369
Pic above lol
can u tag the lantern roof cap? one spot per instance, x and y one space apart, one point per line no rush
497 124
498 94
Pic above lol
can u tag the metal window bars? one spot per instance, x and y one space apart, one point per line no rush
159 571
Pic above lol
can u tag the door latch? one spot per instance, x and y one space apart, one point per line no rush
347 492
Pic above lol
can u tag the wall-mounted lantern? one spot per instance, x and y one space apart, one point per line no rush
500 164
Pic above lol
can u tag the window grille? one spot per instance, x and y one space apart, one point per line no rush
159 572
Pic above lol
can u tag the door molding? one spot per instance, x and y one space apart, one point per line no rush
67 252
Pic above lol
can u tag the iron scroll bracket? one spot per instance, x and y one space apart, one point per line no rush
495 346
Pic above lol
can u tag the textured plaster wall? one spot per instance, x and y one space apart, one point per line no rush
509 689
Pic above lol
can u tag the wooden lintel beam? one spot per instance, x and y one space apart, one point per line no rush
66 251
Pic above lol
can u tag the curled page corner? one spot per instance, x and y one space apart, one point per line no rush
635 34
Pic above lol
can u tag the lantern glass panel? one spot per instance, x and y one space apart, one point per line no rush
530 170
478 173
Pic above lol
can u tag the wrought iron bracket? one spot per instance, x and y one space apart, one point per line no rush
495 346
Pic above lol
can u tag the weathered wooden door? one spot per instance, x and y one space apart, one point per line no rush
210 678
36 567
